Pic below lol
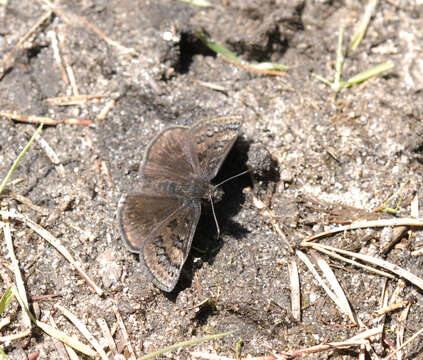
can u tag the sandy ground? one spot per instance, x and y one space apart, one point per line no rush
314 160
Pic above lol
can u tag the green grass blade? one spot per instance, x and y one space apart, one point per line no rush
19 158
6 299
219 49
369 73
185 344
3 356
363 24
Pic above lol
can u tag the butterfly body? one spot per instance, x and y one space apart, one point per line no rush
159 220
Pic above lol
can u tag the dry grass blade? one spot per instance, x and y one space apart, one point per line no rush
294 281
333 281
74 100
367 224
313 270
64 350
15 266
84 331
55 243
357 340
401 328
124 332
375 261
352 262
185 344
107 335
410 340
57 334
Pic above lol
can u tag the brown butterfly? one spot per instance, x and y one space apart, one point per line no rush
159 221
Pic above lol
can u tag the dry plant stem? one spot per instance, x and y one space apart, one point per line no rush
8 60
56 53
333 281
51 154
357 340
370 259
295 290
402 322
392 307
355 263
124 332
251 68
55 243
84 331
30 204
74 100
69 71
410 340
15 266
367 224
107 108
303 257
60 347
107 335
33 119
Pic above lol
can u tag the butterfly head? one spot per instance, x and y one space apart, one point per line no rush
214 193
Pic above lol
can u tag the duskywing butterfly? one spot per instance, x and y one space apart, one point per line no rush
159 221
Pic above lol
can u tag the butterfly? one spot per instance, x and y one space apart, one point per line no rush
159 220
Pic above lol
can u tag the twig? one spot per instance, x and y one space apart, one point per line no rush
34 119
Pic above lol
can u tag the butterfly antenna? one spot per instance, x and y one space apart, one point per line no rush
214 216
232 177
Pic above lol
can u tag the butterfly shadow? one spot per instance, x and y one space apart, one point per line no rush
206 243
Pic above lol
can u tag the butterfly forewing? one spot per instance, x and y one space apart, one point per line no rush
211 141
167 246
168 159
140 213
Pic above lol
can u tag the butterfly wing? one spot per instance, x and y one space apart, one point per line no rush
167 160
167 247
160 228
139 213
211 141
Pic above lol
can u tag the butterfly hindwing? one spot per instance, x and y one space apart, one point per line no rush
167 246
139 213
